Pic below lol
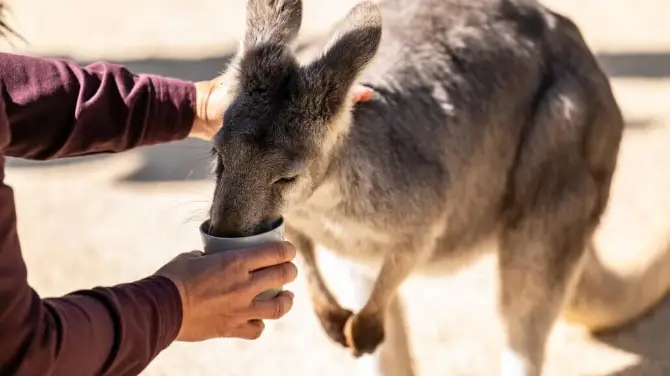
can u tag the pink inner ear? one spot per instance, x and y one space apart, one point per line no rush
362 94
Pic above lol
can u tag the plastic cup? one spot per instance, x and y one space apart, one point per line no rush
214 244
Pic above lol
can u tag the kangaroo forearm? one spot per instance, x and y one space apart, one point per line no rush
319 292
396 267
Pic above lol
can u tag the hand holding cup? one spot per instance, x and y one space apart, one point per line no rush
228 290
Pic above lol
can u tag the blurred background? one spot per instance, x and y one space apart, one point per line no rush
136 210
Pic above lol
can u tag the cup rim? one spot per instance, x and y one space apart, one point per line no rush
279 224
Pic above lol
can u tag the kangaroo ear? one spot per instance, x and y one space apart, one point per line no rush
271 22
352 46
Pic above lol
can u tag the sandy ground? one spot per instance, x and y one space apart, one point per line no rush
111 219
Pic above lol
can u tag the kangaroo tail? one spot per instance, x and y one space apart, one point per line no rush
606 297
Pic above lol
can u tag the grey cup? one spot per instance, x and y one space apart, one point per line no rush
214 244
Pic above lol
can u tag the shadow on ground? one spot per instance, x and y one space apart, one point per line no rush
647 340
636 65
185 160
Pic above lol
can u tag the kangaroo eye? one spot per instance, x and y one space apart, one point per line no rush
287 180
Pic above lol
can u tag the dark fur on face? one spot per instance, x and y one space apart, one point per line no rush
283 117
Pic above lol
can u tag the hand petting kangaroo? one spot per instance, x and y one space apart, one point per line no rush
491 129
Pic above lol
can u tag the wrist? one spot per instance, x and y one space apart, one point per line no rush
171 298
199 130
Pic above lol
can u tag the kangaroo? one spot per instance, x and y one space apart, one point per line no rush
491 128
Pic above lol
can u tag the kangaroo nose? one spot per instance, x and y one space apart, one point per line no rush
228 223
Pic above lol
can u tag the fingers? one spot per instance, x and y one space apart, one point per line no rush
266 255
272 309
270 277
250 330
263 310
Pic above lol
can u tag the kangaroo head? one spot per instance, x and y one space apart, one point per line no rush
283 118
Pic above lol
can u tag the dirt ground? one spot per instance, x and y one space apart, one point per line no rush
135 210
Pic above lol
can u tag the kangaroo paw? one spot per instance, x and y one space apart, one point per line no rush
364 333
333 320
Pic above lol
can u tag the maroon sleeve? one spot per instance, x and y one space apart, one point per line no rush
57 108
103 331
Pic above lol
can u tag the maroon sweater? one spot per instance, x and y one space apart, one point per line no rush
51 109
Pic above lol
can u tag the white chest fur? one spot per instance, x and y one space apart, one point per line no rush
322 220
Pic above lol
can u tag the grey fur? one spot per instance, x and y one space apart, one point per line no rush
492 128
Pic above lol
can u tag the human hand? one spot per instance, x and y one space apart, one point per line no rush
211 103
217 290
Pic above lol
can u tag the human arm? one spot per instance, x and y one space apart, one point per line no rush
115 330
111 331
118 330
106 330
56 108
